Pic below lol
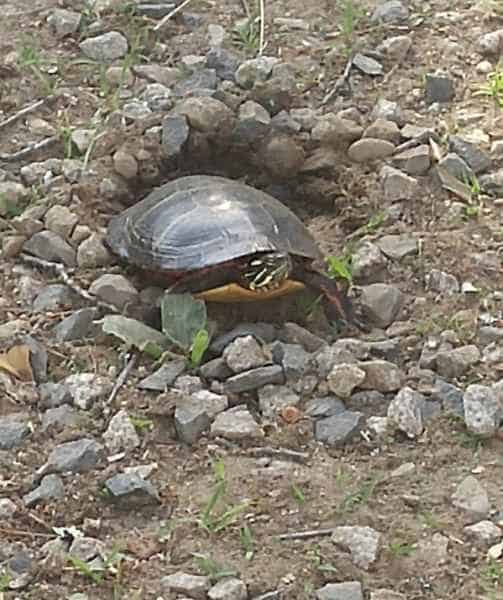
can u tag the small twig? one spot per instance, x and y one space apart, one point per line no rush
246 8
122 378
284 453
24 111
170 15
29 149
89 150
262 27
274 595
305 535
342 82
20 533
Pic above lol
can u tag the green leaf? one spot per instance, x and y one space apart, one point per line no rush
339 268
137 334
182 317
199 347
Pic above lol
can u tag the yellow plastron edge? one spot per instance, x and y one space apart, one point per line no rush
235 293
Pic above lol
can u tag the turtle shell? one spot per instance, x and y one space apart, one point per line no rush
200 221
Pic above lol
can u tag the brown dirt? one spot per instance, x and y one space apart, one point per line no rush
408 510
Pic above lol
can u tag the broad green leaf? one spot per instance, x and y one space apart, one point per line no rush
339 268
183 317
137 334
199 347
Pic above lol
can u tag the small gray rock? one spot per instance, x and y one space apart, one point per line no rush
367 64
236 424
254 379
439 88
343 379
368 263
444 283
264 332
387 109
60 416
476 159
340 428
215 369
255 70
327 406
193 586
381 303
175 133
206 114
106 47
224 62
384 130
64 22
370 149
114 289
273 398
13 430
485 533
347 590
385 594
482 410
191 420
75 457
472 498
202 82
53 395
405 411
54 297
121 433
92 253
457 167
253 123
362 542
87 388
456 362
51 487
391 11
245 353
130 490
8 508
164 377
414 161
397 247
50 246
450 396
398 186
381 375
229 588
293 358
77 326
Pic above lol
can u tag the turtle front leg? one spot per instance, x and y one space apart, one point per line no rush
335 303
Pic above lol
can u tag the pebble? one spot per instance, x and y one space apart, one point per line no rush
206 114
439 88
381 375
367 64
389 110
475 158
175 133
398 186
64 22
456 362
51 487
48 245
369 149
229 588
77 326
433 551
293 358
87 388
120 434
75 457
114 289
164 377
340 428
129 490
491 44
55 296
335 131
327 406
236 424
482 410
282 157
405 411
106 47
456 167
397 247
484 533
194 586
344 378
14 429
471 497
415 161
224 62
396 47
292 333
385 594
346 590
368 264
92 253
8 508
381 303
444 283
245 353
191 420
125 164
362 542
273 398
383 129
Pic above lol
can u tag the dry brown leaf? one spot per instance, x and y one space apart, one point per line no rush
290 414
16 361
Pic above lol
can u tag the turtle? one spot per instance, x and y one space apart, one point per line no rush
223 241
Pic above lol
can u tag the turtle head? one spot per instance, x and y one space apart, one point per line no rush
266 271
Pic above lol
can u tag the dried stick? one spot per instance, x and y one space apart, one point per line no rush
24 111
305 535
262 27
343 81
274 595
29 149
63 274
175 11
122 378
284 453
20 533
246 8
